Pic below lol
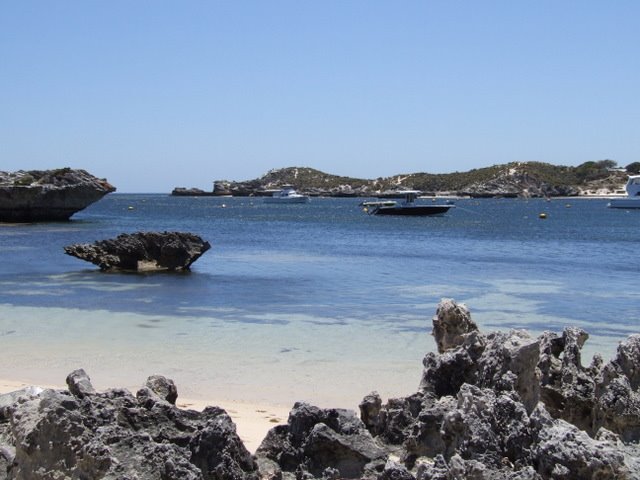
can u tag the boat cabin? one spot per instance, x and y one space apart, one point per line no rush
633 186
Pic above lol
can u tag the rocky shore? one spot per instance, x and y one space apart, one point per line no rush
48 195
502 405
516 179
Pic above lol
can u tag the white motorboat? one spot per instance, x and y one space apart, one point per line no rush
286 195
632 200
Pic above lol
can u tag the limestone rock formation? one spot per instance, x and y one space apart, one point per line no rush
504 405
143 251
48 195
321 442
60 434
191 192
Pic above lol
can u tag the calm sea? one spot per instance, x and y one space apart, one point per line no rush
319 302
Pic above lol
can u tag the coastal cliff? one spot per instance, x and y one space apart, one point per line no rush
502 405
48 195
516 179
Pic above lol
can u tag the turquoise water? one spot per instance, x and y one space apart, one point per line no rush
320 300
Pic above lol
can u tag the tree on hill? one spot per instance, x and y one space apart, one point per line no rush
589 171
633 168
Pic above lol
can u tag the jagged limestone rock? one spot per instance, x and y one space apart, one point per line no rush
86 434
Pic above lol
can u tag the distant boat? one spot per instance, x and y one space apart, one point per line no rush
286 195
632 200
408 206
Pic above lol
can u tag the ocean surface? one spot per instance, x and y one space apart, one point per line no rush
318 302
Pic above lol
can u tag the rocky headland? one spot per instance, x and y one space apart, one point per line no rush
516 179
502 405
48 195
142 251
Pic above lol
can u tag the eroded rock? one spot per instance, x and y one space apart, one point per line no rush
48 195
143 251
86 434
315 440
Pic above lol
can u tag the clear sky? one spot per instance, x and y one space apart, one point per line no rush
158 94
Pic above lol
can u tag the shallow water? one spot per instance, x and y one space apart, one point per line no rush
318 302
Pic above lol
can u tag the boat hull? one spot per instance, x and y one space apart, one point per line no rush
416 210
286 200
624 203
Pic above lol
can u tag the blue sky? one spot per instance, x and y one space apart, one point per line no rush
158 94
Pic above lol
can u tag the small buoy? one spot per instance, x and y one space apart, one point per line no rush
130 207
542 215
224 205
568 205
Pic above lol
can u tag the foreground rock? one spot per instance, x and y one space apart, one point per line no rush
83 434
48 195
496 406
321 442
143 251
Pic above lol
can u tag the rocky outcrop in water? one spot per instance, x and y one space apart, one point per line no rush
497 406
48 195
83 434
191 192
143 251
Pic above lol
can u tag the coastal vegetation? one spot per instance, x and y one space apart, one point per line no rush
528 179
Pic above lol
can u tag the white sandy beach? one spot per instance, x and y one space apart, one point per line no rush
252 421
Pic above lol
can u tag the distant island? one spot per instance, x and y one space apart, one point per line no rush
515 179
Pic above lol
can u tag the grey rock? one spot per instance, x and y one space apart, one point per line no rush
79 384
395 471
509 363
487 427
562 451
617 407
163 387
370 412
438 469
451 323
567 388
60 434
424 437
315 439
48 195
503 361
492 406
143 251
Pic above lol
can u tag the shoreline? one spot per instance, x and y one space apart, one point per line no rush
252 420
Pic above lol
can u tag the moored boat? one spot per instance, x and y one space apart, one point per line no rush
632 200
407 206
286 195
